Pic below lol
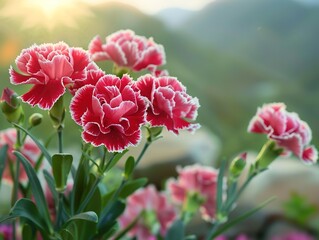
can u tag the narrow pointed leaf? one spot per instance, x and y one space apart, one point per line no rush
3 157
232 223
129 167
50 181
40 145
25 208
132 186
220 182
115 160
35 188
86 216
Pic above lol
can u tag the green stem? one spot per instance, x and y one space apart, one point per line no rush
59 211
213 230
124 180
61 195
60 139
103 167
147 144
15 176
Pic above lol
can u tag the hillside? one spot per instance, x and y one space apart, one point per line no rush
278 35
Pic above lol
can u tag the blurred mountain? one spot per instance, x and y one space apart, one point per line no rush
229 86
280 35
174 17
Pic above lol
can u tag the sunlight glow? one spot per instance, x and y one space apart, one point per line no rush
154 6
45 13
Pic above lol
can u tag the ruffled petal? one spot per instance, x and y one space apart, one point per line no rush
44 95
81 102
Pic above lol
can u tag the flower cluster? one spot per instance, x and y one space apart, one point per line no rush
112 107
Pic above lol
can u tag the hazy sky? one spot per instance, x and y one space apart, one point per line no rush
153 6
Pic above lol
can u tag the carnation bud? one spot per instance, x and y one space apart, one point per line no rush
237 165
35 119
10 106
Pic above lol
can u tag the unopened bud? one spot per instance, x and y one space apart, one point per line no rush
10 106
35 119
237 165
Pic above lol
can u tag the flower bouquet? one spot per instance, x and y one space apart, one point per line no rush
55 196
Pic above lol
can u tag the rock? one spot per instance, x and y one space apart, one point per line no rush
162 157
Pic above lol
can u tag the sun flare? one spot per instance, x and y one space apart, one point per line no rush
45 13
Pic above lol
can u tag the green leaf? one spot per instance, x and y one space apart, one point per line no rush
3 157
25 208
50 181
61 166
80 183
129 167
28 232
40 145
124 231
220 183
89 216
176 231
132 186
114 160
36 189
66 234
108 221
299 209
191 237
232 223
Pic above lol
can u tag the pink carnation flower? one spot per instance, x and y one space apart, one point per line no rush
196 179
293 236
29 150
93 74
170 105
111 113
128 50
50 68
286 129
147 201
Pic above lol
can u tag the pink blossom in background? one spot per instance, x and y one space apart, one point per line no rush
6 232
49 68
169 104
147 200
196 179
128 50
286 129
111 113
29 150
294 236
